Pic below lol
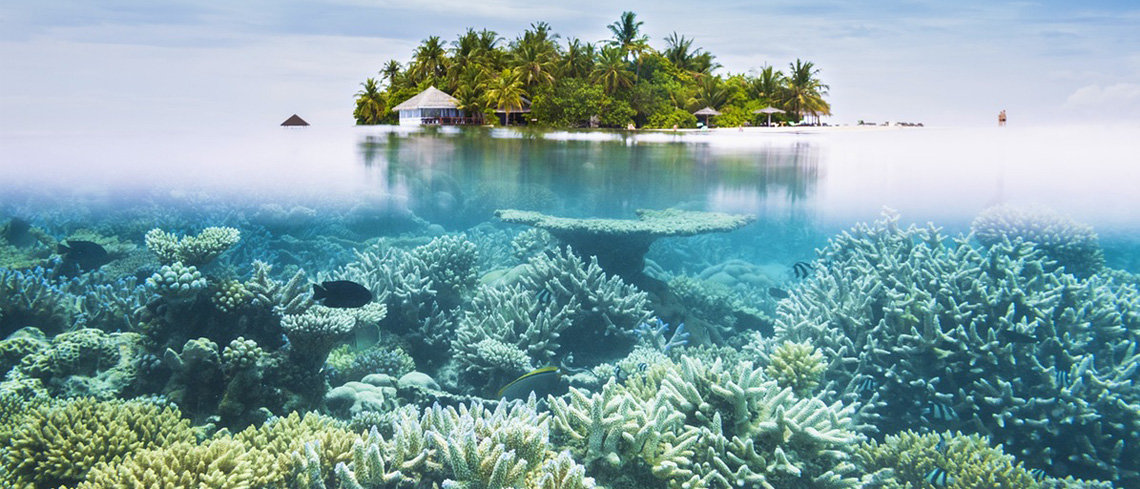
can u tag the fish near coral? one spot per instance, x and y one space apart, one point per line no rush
542 382
801 270
778 293
938 477
82 256
341 294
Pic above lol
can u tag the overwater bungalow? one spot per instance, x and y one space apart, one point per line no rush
433 107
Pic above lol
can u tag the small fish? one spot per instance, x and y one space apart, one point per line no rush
778 293
544 296
82 256
941 446
543 381
940 411
867 384
341 294
642 367
801 270
1061 377
619 374
938 477
1037 474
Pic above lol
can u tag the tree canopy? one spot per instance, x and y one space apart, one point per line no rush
573 83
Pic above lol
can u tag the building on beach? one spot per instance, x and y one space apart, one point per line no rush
433 107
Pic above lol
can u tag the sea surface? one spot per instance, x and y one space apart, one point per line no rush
1010 259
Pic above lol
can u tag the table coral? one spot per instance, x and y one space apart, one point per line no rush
196 250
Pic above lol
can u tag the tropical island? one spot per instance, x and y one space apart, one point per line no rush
620 82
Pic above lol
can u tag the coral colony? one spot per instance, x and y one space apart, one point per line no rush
564 353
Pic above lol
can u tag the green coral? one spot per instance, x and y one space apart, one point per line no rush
798 366
904 460
58 444
196 250
707 425
231 295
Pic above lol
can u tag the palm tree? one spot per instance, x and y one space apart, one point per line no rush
803 92
711 92
534 64
369 103
767 85
611 70
469 89
429 61
392 72
578 60
677 50
626 31
505 92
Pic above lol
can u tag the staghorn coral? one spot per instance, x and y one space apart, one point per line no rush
59 443
197 251
35 297
706 425
531 242
796 365
1036 359
291 297
314 333
904 460
1072 245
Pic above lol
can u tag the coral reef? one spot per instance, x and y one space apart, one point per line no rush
798 366
929 334
59 443
194 251
34 297
177 283
700 425
87 362
620 245
1072 245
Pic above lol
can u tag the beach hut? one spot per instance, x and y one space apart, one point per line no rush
294 121
517 115
768 110
707 112
431 106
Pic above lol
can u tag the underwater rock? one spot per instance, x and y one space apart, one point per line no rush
417 380
353 398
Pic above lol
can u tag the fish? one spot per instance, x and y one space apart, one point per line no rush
940 411
801 269
867 384
642 367
544 296
543 381
82 256
1061 377
1037 474
778 293
938 477
941 445
341 294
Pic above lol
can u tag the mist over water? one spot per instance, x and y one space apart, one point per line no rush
830 178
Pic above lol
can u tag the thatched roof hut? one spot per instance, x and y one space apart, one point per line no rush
295 120
431 106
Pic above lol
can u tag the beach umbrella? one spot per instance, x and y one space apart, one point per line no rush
768 110
707 112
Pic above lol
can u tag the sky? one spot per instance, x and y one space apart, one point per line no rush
127 65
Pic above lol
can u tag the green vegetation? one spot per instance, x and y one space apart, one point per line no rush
610 83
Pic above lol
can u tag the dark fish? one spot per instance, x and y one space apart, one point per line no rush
938 477
543 381
642 367
868 384
82 256
544 296
341 293
802 269
16 232
940 411
1037 474
778 293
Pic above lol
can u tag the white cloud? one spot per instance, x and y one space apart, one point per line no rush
1111 101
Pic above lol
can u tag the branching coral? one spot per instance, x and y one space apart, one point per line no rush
707 425
58 444
930 334
196 250
177 283
36 298
291 297
798 366
906 459
1070 244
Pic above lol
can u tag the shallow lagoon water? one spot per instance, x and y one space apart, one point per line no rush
326 200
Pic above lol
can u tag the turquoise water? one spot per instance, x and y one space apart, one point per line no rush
822 311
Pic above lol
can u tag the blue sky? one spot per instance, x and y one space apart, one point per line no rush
140 64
